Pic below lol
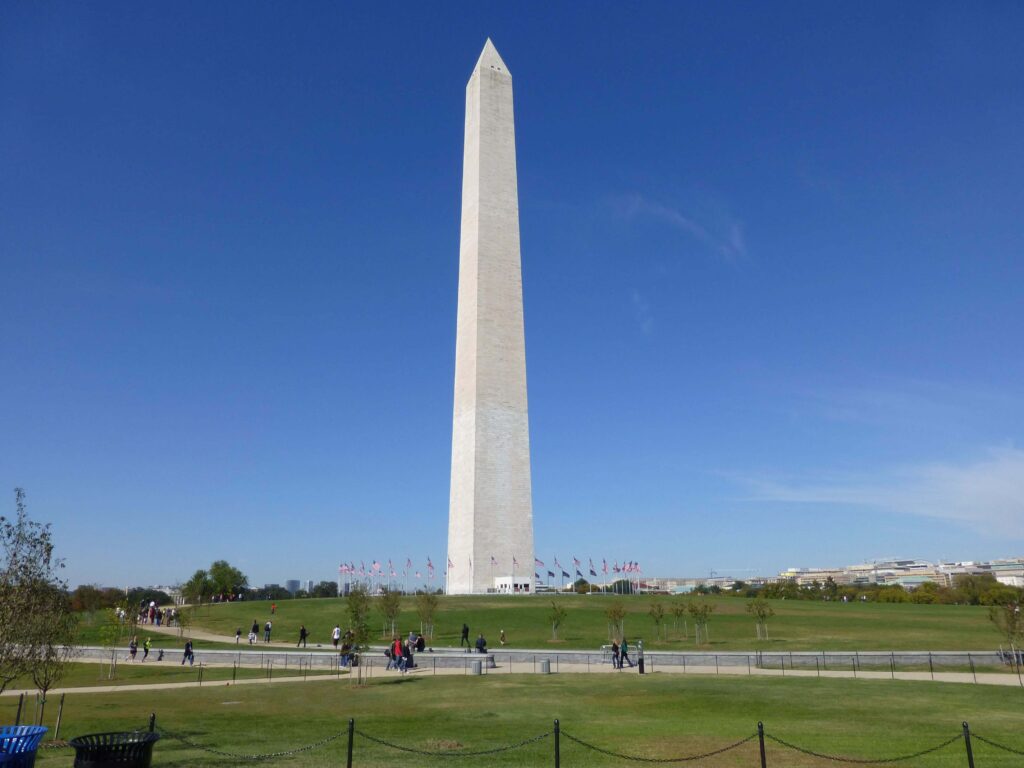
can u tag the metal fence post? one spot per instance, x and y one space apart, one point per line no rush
558 756
931 668
817 666
760 741
21 702
351 735
152 721
892 665
973 672
967 743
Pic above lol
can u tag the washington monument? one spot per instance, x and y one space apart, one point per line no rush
490 517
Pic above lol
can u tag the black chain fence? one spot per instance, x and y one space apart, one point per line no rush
760 736
452 752
642 759
864 761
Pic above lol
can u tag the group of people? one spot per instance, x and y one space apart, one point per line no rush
620 654
481 643
133 648
254 632
401 655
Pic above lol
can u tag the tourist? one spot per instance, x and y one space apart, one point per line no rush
465 636
273 608
133 647
238 635
624 654
254 631
616 661
407 661
145 648
303 634
336 636
501 637
421 644
481 644
189 655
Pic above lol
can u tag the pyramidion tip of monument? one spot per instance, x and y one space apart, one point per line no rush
491 59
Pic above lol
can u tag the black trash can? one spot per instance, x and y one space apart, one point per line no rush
133 749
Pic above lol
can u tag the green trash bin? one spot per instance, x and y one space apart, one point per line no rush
132 749
19 744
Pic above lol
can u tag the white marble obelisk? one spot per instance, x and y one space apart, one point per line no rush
490 519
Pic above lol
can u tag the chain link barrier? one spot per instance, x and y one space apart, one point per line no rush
862 761
996 744
252 757
452 753
641 759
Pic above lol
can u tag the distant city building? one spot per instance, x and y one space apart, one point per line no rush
292 585
309 585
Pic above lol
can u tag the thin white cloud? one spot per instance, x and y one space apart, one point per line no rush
642 309
987 493
724 237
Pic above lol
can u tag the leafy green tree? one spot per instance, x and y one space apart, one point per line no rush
657 614
761 611
358 606
700 611
679 612
616 614
556 617
325 589
225 579
51 634
29 584
1009 620
426 607
390 608
199 586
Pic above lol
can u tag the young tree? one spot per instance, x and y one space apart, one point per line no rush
358 606
557 616
52 633
390 607
761 611
679 612
700 611
616 614
1009 620
28 578
426 607
657 613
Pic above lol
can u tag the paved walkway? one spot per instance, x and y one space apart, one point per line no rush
373 671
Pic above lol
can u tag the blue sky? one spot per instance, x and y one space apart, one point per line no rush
773 259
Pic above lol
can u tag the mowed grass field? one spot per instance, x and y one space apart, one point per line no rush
653 715
796 626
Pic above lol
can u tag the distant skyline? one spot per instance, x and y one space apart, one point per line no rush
772 268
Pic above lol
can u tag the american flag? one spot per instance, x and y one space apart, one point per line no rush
604 567
493 561
450 563
408 562
576 561
539 563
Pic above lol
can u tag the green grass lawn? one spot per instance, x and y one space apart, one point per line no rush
797 625
91 633
82 674
653 715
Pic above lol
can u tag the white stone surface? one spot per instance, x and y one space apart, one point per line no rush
491 511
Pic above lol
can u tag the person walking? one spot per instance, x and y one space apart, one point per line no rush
189 655
616 659
465 636
254 631
238 635
145 648
501 638
133 647
336 636
303 634
266 631
624 654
